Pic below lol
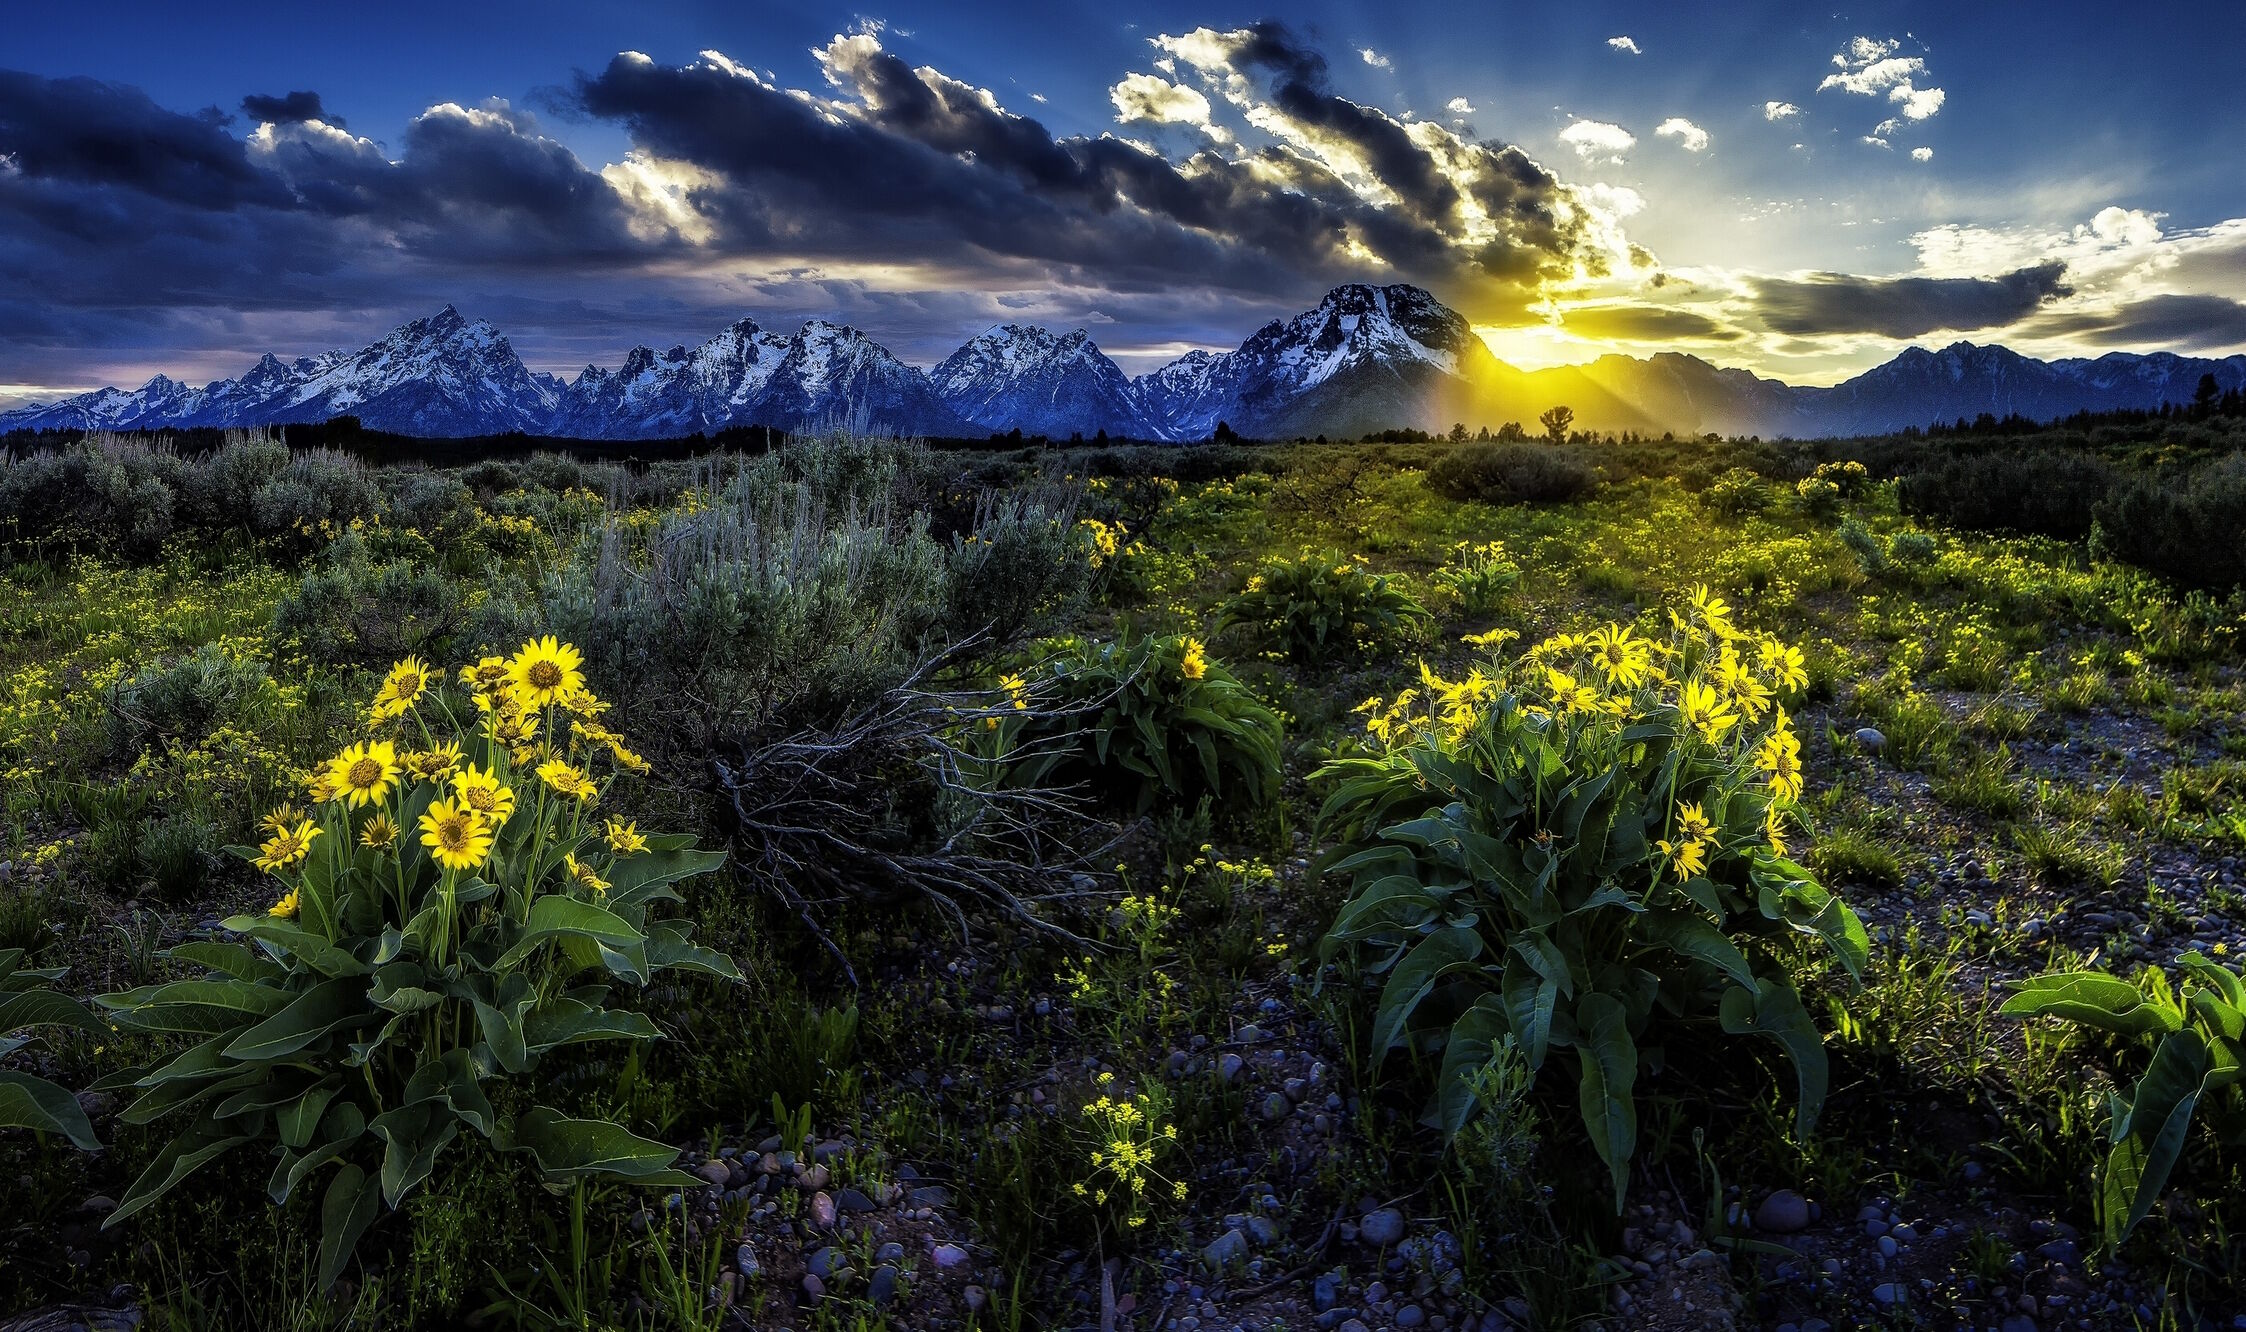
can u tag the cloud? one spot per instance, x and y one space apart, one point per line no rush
1595 140
1646 323
2175 319
1151 98
1779 110
1869 66
1904 307
1374 58
1624 44
1918 103
1689 136
1922 154
1459 106
288 109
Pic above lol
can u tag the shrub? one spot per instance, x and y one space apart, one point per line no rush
1145 723
1318 606
443 909
1582 850
2196 1060
2192 530
1871 557
1512 474
1914 549
183 699
1818 497
359 610
2049 493
1478 576
1736 492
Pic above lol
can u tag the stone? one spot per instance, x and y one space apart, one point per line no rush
1228 1066
948 1256
1382 1228
882 1286
1890 1293
892 1252
1275 1107
715 1172
1324 1292
821 1213
1226 1249
824 1260
853 1201
1871 740
2060 1251
1411 1315
814 1289
814 1178
1783 1213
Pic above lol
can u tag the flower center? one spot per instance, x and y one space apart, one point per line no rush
453 833
543 675
366 773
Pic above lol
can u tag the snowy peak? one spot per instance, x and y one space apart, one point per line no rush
1016 376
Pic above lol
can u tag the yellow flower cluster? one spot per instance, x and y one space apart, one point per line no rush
1128 1135
1107 539
1195 663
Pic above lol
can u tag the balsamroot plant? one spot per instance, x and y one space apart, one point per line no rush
1582 851
27 1001
1144 722
2197 1036
1321 606
452 911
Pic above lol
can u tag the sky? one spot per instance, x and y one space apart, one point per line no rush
1799 193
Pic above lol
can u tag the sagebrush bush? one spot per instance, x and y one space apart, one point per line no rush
1145 724
1582 850
2191 528
2045 493
1737 491
1512 474
183 699
1324 605
358 609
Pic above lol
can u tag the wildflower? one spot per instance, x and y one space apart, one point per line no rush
286 908
1707 711
581 702
1773 826
1783 664
364 773
379 833
567 779
281 819
487 676
1780 756
1625 660
583 876
1714 611
402 688
1193 665
287 846
433 765
456 837
1692 819
1687 858
1489 638
624 838
1017 691
1567 694
480 790
543 670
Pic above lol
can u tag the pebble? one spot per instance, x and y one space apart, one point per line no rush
948 1256
1872 741
882 1287
1890 1292
1228 1066
822 1212
1226 1249
1411 1315
1783 1213
1275 1107
1382 1228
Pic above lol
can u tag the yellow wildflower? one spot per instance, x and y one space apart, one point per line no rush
544 670
364 773
287 846
378 833
480 790
455 836
1193 665
402 688
567 778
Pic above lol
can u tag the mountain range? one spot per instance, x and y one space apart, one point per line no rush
1365 358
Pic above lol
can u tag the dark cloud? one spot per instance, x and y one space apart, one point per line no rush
90 133
1905 307
2174 320
291 108
1648 323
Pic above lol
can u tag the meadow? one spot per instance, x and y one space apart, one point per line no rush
1435 884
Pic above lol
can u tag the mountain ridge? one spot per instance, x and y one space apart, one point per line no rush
1365 358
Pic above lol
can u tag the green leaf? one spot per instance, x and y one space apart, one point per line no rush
311 949
35 1103
1772 1009
669 947
569 1022
324 1008
340 1131
2150 1136
1443 951
230 959
346 1211
2094 999
1530 1002
45 1008
1692 935
194 1006
413 1136
1473 1038
629 879
181 1157
1609 1060
559 916
299 1121
568 1148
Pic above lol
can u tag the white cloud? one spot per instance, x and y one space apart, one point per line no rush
1922 154
1150 98
1374 58
1877 142
1459 106
1870 66
1689 136
1918 103
1779 110
1595 139
1624 44
1038 98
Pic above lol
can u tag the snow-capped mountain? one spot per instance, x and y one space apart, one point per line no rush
1040 382
1365 358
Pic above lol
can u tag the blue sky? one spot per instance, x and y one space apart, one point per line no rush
1801 193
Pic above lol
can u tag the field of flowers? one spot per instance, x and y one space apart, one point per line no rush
1302 886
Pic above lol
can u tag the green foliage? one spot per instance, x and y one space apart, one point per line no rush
1737 492
2196 1038
1512 474
183 699
1478 576
1144 724
2190 528
28 1002
371 1015
361 609
1580 866
2044 492
1319 606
